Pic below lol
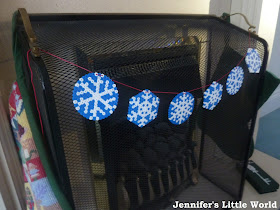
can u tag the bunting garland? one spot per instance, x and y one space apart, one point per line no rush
95 96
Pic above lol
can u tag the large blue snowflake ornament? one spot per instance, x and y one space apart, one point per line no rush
235 80
212 96
143 108
181 108
253 60
95 96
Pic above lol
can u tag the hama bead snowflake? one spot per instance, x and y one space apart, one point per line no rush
235 80
95 96
143 108
181 108
212 96
253 60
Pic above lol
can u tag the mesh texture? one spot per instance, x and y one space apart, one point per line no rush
113 163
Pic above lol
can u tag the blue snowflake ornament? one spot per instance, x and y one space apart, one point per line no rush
235 80
253 60
212 96
181 108
143 108
95 96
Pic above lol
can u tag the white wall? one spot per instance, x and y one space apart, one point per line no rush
268 22
274 65
105 6
218 7
250 8
2 205
273 102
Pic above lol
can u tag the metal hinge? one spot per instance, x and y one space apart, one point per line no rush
32 39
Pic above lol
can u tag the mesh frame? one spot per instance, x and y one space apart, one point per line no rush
210 32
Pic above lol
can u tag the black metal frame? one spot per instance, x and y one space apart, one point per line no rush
118 16
46 92
79 17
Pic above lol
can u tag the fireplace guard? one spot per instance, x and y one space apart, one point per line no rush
112 163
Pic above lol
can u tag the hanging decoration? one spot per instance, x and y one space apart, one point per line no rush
143 108
95 96
181 108
212 96
253 60
235 80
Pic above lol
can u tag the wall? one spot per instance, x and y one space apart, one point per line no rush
105 6
218 7
2 205
250 8
274 66
268 22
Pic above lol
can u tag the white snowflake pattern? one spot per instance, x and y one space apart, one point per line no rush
235 80
143 108
253 60
181 108
212 96
95 96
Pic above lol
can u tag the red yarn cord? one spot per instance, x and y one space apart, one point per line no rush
73 64
35 96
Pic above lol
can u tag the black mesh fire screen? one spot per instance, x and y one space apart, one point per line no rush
114 163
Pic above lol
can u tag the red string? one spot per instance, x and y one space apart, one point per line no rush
65 60
175 93
127 85
31 74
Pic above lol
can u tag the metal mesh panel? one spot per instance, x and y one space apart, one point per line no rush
113 163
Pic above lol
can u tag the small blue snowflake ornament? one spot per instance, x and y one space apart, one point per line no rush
181 108
212 96
235 80
143 108
253 60
95 96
